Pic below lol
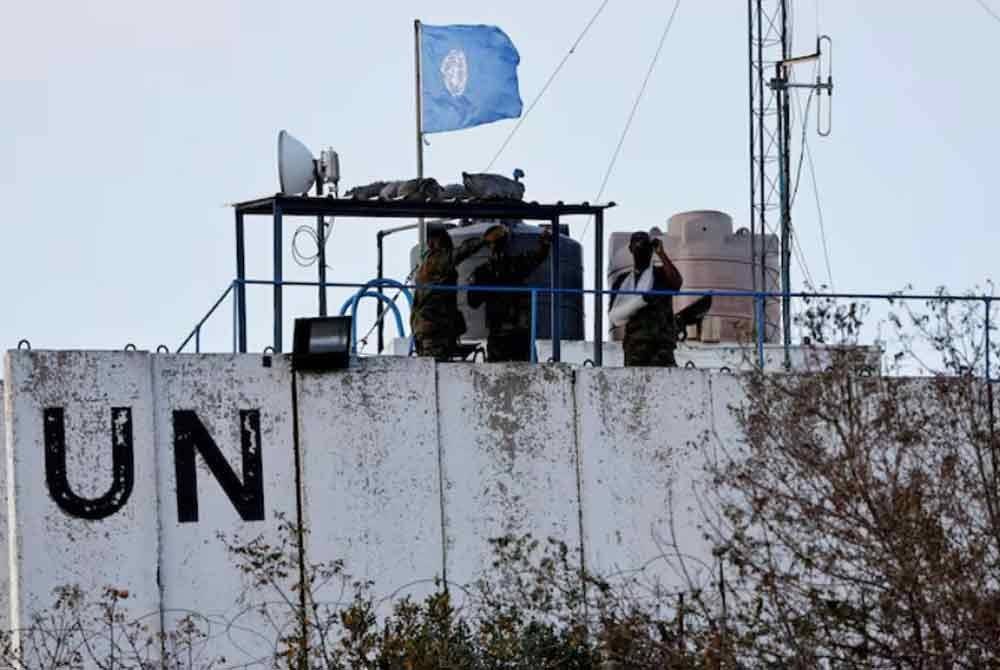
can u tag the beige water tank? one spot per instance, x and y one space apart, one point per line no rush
710 255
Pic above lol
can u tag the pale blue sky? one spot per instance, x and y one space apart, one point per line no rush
125 126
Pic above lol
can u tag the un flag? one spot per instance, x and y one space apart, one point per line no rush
468 77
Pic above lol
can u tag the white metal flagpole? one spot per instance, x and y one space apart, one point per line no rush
420 128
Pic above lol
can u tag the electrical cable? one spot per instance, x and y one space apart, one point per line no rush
548 83
802 150
303 259
807 153
819 216
988 9
635 108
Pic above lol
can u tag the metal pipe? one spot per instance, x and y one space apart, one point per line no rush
758 303
714 293
205 318
534 332
277 277
241 290
785 138
379 308
786 222
598 354
321 243
555 296
420 125
750 67
352 304
197 340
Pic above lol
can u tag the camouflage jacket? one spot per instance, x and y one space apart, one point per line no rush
655 321
435 313
507 312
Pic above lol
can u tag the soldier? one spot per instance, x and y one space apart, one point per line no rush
435 320
650 329
508 314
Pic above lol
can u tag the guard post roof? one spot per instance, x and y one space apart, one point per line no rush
300 205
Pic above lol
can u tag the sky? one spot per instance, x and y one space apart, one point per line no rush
127 127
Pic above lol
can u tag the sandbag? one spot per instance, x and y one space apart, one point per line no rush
487 186
366 191
454 192
421 188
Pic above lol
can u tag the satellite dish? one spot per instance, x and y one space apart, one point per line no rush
296 165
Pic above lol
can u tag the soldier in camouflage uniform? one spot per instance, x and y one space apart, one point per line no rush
508 314
435 320
651 332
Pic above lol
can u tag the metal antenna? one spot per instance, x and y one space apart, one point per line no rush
781 86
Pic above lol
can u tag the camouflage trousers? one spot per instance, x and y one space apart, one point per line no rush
649 353
436 347
514 346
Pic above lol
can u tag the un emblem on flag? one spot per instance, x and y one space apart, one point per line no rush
455 71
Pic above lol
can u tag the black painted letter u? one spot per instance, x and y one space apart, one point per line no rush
122 459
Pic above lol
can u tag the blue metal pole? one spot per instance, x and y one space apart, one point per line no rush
236 325
534 305
758 303
197 340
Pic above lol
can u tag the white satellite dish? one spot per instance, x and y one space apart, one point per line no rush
298 169
296 165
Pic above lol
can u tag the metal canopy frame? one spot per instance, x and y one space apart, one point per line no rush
278 206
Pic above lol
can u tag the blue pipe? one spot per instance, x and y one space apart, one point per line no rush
352 303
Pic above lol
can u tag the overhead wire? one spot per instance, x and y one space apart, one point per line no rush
806 151
548 83
635 108
988 9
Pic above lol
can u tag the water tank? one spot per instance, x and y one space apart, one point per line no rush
523 238
710 255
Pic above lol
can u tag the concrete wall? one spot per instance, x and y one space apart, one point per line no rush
196 572
405 469
97 407
509 461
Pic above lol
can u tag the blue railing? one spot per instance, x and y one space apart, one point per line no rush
760 299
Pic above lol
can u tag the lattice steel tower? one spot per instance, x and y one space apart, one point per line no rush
768 44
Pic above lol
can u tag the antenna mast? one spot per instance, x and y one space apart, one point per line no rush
770 139
767 44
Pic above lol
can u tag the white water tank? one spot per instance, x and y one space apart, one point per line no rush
710 255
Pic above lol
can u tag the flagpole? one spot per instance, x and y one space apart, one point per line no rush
421 224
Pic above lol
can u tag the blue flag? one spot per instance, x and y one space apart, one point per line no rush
468 77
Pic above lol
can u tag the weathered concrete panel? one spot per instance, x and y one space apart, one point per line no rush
370 471
96 408
509 458
196 572
642 436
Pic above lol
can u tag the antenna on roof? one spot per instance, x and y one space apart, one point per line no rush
298 170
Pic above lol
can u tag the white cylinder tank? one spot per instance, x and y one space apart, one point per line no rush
711 256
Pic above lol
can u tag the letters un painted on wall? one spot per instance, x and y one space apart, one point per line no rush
190 437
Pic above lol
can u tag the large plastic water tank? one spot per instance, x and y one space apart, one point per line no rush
524 238
710 255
